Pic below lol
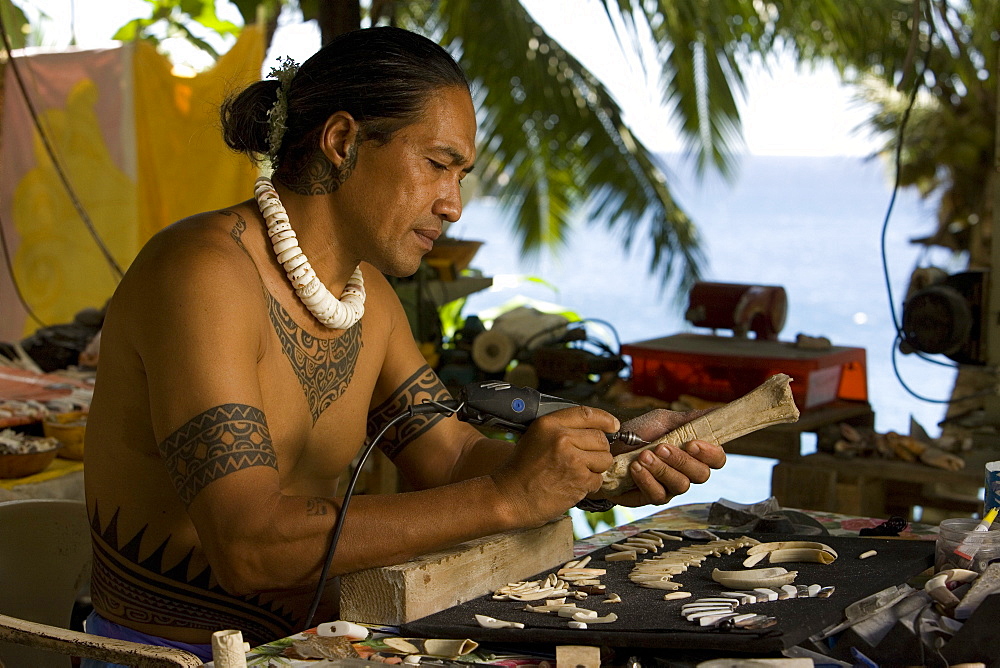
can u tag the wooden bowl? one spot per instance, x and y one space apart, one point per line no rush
69 429
450 256
21 465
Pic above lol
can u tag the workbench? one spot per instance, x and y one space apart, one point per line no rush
677 518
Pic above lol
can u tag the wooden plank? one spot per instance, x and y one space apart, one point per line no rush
769 442
578 656
395 595
804 487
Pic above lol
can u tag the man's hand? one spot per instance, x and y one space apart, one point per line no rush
558 461
668 469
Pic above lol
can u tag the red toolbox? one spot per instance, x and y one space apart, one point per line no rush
719 368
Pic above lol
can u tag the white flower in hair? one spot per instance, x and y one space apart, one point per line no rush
277 115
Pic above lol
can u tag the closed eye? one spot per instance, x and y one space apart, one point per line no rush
437 165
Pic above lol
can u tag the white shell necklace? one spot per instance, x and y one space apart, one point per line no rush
334 313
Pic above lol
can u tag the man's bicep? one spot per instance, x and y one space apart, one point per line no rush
218 442
199 352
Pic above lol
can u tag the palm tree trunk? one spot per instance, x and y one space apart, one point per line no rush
336 17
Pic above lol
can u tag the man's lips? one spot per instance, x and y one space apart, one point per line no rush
427 237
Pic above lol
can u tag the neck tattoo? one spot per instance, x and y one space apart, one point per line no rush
333 313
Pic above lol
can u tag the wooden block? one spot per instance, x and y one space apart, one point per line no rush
395 595
578 656
803 486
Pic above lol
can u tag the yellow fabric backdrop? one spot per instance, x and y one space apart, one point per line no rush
184 167
141 148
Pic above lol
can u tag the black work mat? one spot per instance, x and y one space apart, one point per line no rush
645 620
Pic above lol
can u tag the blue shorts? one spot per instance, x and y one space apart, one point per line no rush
99 626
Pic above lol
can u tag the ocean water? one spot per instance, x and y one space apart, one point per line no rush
810 224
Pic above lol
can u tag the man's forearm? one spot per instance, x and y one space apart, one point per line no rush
285 548
481 457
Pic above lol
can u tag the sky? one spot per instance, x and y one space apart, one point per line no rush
787 111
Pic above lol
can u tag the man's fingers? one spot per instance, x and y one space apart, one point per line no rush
657 481
599 463
585 417
708 453
670 467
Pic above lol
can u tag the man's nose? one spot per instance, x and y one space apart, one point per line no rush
448 206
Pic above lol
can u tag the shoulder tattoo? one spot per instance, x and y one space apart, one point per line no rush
213 444
422 385
239 227
324 367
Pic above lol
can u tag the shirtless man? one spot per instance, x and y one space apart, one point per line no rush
225 412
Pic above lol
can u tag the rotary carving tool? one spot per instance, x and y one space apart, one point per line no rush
502 405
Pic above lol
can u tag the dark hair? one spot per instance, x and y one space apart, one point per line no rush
381 76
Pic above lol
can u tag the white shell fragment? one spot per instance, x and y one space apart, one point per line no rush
869 553
960 575
768 594
606 619
676 595
490 623
804 554
341 628
790 544
715 620
572 610
573 624
754 578
786 551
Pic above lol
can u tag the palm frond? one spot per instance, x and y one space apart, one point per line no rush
554 141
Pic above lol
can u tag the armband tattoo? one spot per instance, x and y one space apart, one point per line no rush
213 444
421 386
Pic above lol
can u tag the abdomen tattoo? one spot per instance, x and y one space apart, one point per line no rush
421 386
213 444
127 588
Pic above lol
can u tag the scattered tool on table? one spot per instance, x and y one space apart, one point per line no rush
969 547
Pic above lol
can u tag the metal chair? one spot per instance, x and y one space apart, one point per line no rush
45 558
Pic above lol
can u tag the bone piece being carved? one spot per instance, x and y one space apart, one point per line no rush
769 404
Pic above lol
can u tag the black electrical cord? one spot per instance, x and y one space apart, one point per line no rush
554 328
897 163
445 407
15 68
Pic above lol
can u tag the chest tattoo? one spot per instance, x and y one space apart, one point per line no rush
324 367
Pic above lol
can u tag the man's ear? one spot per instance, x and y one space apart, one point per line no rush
339 133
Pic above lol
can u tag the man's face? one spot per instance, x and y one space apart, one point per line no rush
401 192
